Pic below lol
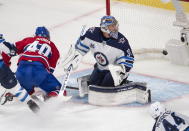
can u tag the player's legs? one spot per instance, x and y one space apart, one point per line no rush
101 78
7 78
108 80
9 81
30 74
96 77
50 85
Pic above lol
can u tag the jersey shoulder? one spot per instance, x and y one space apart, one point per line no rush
122 40
25 40
121 43
93 33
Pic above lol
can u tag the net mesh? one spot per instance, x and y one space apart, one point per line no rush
147 24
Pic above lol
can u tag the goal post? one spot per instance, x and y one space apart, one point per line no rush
107 7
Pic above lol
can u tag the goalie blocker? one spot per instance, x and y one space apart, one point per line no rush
108 96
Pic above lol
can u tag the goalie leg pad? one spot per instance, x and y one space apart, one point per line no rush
128 93
83 85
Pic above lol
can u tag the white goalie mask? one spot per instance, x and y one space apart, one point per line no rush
156 109
107 21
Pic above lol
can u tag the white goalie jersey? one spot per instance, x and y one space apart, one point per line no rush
171 121
112 51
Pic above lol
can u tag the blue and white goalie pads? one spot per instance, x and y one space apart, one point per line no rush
107 96
124 94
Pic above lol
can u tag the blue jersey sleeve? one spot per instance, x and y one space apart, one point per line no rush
127 57
83 44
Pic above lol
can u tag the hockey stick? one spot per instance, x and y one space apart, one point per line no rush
72 87
63 87
64 83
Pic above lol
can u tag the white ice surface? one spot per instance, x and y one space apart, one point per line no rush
143 26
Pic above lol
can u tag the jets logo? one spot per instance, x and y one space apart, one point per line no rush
101 58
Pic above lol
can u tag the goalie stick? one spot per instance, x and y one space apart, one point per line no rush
64 84
66 78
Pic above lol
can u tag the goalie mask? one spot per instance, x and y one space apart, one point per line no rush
157 109
42 31
109 25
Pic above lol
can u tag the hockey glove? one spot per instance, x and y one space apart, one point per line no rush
118 73
11 47
73 59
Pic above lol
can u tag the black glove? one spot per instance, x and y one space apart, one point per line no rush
12 48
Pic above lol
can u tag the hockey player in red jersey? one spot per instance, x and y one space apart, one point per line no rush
38 59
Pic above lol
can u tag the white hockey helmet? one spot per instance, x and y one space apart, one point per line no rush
107 21
156 109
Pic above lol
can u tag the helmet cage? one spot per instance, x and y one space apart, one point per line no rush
107 21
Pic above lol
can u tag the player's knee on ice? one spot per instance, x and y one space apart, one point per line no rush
7 78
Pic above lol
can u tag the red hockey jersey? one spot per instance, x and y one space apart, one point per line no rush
38 49
6 58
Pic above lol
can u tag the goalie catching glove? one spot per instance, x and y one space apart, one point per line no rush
73 58
118 73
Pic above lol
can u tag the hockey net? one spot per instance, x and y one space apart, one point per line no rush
148 25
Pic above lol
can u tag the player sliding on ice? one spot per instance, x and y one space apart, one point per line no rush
8 80
167 120
112 52
38 59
